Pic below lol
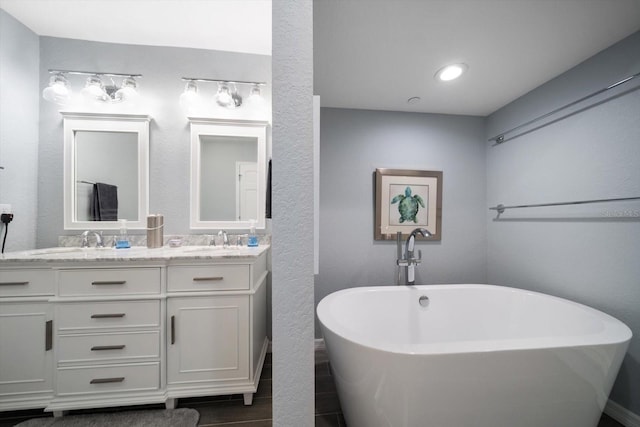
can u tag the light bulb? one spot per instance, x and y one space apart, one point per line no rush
94 90
255 101
255 92
58 90
451 72
128 91
223 97
189 99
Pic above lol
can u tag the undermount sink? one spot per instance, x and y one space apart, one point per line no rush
51 251
67 250
217 250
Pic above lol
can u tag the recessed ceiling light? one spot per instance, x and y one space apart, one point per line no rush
451 72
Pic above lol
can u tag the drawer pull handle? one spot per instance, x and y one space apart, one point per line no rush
107 315
109 282
106 380
13 283
207 279
107 347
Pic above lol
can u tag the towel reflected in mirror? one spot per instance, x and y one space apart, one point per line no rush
105 202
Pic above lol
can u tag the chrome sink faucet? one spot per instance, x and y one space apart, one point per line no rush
225 238
85 239
409 260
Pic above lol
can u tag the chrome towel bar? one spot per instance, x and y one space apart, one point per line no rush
500 138
501 208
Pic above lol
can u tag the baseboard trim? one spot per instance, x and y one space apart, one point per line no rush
318 344
622 415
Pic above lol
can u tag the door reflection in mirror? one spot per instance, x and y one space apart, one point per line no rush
228 178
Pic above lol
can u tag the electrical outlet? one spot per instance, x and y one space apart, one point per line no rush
5 208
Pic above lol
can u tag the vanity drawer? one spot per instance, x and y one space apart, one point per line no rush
108 315
108 347
208 278
110 281
109 378
26 282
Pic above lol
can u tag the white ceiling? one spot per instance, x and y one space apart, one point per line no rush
371 54
231 25
375 54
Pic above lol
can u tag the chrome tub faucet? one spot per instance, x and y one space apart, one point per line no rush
409 260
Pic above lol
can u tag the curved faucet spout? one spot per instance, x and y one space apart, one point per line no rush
410 260
409 245
225 238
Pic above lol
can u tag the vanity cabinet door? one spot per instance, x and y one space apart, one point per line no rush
26 353
208 339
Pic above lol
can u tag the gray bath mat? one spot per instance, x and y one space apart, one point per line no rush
182 417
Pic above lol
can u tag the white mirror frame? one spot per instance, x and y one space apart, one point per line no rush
219 127
96 122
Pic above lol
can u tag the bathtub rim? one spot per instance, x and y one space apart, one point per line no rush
621 335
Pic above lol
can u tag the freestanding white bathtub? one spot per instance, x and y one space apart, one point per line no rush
472 356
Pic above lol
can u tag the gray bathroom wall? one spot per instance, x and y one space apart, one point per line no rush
19 100
160 88
586 253
353 143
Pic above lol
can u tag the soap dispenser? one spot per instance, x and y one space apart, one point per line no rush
252 241
122 241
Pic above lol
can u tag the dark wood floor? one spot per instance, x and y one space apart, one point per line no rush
229 411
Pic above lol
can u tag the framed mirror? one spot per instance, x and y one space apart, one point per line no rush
228 173
106 170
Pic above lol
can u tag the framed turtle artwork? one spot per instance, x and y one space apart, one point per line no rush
406 200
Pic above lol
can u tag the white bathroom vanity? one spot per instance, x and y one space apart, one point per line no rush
85 328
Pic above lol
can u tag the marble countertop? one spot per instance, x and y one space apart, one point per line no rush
135 253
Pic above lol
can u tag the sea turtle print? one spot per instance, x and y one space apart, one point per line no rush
408 205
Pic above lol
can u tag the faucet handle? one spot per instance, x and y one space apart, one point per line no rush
85 240
419 259
240 237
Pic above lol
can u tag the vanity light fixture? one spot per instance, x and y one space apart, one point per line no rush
95 89
451 72
227 94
